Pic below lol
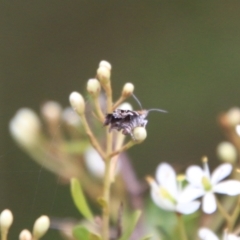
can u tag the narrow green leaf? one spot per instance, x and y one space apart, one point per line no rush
82 233
79 199
147 237
132 224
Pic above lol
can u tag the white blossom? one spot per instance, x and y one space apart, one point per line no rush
207 234
166 191
201 183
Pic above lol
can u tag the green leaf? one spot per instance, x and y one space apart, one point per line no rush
79 199
75 147
82 233
132 224
147 237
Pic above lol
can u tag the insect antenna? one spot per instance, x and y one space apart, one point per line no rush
157 110
137 100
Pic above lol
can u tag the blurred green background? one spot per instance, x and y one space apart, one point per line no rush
182 56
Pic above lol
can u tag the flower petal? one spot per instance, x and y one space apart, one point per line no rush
194 175
166 177
207 234
209 203
188 208
232 237
229 187
160 202
221 172
190 193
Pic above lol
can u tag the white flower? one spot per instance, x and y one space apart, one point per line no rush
204 184
207 234
166 191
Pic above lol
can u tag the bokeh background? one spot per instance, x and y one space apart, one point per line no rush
182 56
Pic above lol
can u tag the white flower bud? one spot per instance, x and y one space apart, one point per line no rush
125 106
227 152
51 111
238 129
93 87
25 235
70 117
139 134
233 116
41 226
103 75
94 162
6 220
25 128
77 102
127 89
106 64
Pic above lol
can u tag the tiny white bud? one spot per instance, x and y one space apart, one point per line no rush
227 152
25 128
125 106
103 75
233 116
127 89
6 220
25 235
70 117
139 133
106 64
51 111
41 226
77 102
94 163
93 87
238 129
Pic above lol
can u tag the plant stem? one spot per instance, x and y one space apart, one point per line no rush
106 196
98 109
182 230
224 213
91 136
107 175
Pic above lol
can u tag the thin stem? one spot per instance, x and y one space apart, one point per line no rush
181 226
106 196
4 235
107 176
234 215
98 109
124 148
224 213
91 136
118 102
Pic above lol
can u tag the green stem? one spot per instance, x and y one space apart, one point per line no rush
181 226
234 216
224 213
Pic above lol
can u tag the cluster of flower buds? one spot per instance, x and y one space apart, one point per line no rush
40 227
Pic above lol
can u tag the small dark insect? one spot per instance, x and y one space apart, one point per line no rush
127 120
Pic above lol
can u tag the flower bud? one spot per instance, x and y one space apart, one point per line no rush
25 128
238 129
94 162
25 235
106 64
6 220
233 116
127 89
227 152
93 87
125 106
139 134
51 111
77 102
104 72
41 226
